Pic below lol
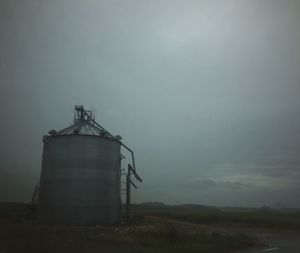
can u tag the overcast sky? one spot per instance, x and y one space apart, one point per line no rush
206 92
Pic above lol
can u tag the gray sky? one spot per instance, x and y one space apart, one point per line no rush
205 92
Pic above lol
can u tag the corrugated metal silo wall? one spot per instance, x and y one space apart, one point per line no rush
80 180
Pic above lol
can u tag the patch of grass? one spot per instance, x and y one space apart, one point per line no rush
144 236
154 229
269 218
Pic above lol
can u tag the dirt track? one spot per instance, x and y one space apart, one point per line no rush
277 241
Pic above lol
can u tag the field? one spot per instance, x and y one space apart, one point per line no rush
186 228
262 217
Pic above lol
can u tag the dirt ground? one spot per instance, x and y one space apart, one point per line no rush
268 240
167 229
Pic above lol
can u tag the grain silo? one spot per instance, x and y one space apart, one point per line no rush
80 177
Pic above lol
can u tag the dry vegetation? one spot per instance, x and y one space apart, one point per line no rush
154 229
258 217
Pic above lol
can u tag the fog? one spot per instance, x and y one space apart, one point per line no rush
205 92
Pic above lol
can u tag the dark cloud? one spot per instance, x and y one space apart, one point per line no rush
208 183
291 171
200 184
236 185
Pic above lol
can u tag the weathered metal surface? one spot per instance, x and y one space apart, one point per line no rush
80 180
